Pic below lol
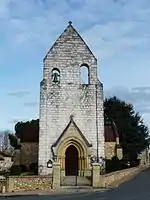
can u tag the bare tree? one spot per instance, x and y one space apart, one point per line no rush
4 140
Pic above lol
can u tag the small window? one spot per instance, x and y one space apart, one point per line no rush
84 74
56 75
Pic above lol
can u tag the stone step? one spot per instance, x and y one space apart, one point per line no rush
81 189
75 181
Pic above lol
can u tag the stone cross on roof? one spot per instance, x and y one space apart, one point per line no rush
70 22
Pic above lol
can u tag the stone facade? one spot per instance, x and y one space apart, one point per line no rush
112 143
144 157
110 150
5 161
69 98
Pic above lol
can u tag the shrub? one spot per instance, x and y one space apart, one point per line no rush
16 170
24 168
113 165
33 168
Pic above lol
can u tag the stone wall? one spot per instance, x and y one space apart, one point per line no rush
28 183
114 178
31 183
28 153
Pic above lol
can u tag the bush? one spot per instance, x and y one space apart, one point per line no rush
16 170
34 168
24 168
113 165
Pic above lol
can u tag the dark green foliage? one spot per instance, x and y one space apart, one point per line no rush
24 168
26 132
16 170
13 141
34 168
113 165
131 129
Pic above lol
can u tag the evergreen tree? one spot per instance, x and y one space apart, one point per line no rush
133 133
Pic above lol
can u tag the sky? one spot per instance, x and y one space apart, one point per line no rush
117 32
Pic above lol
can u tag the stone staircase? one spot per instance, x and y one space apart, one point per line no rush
75 181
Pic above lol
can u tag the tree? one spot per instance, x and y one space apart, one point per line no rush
14 141
133 133
4 137
25 132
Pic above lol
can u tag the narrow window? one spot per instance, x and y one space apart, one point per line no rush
84 74
55 75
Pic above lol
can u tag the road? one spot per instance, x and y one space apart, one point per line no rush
136 189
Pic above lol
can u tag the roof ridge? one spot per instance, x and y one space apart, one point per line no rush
69 26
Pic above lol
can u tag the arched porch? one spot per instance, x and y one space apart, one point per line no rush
72 154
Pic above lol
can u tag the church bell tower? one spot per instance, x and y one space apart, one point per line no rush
71 107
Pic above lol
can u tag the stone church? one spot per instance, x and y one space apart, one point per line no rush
71 119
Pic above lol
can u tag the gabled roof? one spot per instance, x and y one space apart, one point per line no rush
110 132
78 130
74 31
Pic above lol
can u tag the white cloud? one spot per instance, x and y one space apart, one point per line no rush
107 29
19 94
31 104
138 96
117 31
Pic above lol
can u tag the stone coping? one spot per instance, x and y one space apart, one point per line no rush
121 171
30 176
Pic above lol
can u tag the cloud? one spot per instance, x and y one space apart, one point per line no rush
117 34
138 96
141 89
30 19
31 104
19 94
13 121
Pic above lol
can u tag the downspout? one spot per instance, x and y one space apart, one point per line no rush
97 142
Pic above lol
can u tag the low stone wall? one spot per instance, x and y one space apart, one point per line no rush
114 178
28 183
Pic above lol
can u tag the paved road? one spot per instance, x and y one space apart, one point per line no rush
136 189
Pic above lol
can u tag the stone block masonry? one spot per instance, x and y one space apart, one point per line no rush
59 101
28 183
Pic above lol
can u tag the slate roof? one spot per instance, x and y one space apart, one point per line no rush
110 132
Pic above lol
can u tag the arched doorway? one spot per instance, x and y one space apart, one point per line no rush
71 161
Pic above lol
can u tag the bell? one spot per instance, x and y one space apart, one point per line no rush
55 77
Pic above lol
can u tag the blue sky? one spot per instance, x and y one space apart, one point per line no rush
117 31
